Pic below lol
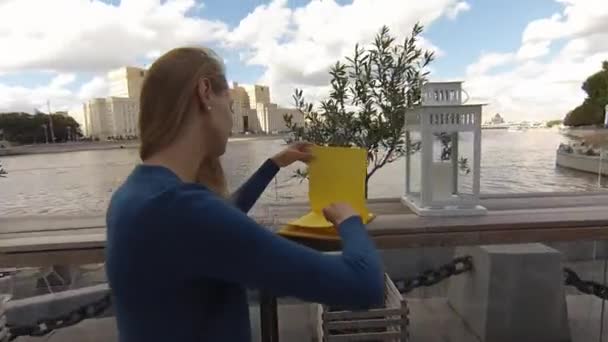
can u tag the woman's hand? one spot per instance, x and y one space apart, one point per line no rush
336 213
300 151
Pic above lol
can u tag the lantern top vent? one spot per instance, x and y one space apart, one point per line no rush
443 93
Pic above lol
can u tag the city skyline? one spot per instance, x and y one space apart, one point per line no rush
526 59
117 115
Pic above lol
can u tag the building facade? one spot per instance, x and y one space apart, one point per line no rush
126 82
116 116
253 111
96 118
257 94
497 119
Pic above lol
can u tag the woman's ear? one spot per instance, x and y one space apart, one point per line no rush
204 93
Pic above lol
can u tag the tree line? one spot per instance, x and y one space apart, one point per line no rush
24 128
591 111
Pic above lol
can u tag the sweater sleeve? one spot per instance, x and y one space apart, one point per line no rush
229 246
246 195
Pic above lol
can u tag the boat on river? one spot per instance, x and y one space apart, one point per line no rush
519 128
581 157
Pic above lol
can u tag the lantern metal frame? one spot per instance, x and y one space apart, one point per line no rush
442 111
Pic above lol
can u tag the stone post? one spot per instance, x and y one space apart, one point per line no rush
514 293
3 329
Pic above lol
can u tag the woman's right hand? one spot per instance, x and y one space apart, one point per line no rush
336 213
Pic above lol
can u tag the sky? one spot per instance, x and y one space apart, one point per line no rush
526 59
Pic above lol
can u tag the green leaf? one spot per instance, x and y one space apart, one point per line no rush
370 94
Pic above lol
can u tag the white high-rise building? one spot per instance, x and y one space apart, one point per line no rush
117 115
257 94
253 111
126 82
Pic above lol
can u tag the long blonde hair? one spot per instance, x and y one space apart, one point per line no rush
168 95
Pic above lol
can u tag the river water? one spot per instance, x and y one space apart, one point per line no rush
81 183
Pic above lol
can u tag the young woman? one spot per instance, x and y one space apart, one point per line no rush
181 252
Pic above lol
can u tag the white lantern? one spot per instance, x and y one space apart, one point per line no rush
443 140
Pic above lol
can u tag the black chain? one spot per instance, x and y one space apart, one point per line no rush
427 278
433 276
4 274
585 286
44 327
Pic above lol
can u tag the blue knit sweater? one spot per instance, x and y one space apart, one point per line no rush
179 259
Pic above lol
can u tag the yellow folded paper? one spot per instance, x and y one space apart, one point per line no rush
317 234
336 174
314 220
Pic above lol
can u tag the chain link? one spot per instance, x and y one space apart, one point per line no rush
433 276
4 273
463 264
585 286
427 278
44 327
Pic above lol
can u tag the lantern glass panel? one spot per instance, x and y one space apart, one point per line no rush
442 167
414 169
466 162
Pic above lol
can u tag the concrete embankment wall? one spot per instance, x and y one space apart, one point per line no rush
63 148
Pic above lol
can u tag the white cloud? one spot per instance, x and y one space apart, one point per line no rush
533 50
297 47
65 37
153 54
97 87
488 61
547 87
460 7
62 80
17 98
79 35
264 25
23 99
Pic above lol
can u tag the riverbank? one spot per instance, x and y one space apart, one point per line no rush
65 147
583 132
98 145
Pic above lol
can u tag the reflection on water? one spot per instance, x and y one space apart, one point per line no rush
82 182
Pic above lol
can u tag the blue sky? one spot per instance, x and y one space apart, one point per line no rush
506 51
490 25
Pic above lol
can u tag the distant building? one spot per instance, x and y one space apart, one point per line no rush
257 94
111 117
497 120
270 117
253 111
126 82
117 115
